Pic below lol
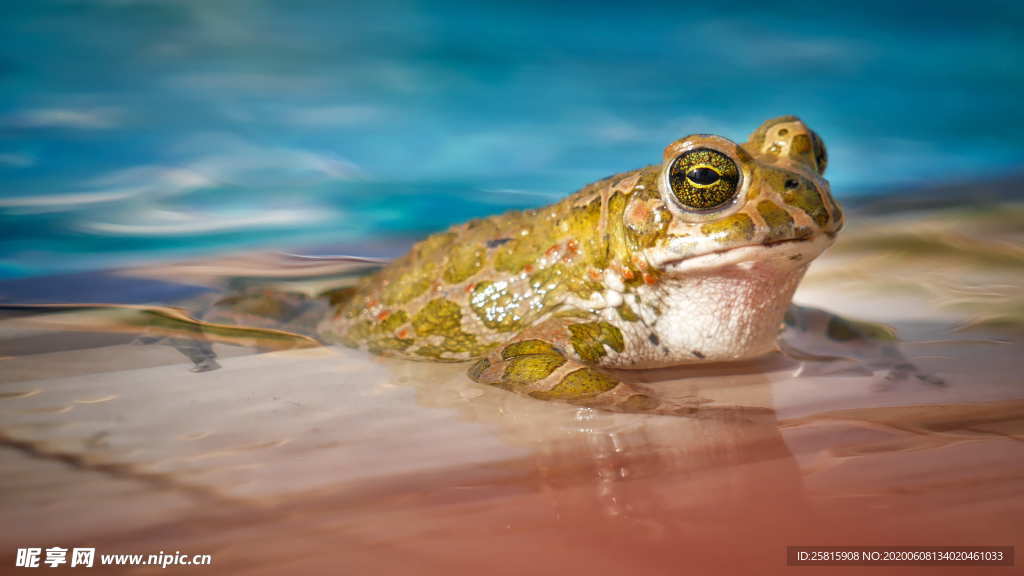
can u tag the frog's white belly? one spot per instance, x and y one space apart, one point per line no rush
730 310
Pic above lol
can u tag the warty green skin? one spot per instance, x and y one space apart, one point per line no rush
616 275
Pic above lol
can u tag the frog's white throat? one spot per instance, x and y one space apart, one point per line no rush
723 306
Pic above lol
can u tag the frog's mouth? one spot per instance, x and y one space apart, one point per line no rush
791 253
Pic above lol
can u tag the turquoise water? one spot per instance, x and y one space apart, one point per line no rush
134 131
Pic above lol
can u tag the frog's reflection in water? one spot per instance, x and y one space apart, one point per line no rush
662 473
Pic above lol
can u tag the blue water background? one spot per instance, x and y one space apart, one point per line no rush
139 130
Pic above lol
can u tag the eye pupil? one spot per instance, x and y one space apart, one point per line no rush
703 176
703 179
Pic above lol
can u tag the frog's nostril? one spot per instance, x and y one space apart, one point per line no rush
791 183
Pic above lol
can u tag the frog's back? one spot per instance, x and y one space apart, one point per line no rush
459 293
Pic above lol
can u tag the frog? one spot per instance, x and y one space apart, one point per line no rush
691 260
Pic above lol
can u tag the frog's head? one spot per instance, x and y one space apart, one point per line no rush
730 230
727 203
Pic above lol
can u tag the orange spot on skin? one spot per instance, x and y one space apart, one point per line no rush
650 279
403 333
551 251
571 249
383 315
470 287
594 274
638 213
628 274
372 303
528 268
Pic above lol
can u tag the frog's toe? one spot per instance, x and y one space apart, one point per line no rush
931 379
905 372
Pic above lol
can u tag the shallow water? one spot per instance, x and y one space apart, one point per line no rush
325 458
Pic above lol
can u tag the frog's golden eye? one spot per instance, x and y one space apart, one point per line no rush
704 179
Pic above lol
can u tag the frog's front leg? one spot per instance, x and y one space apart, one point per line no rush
559 359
